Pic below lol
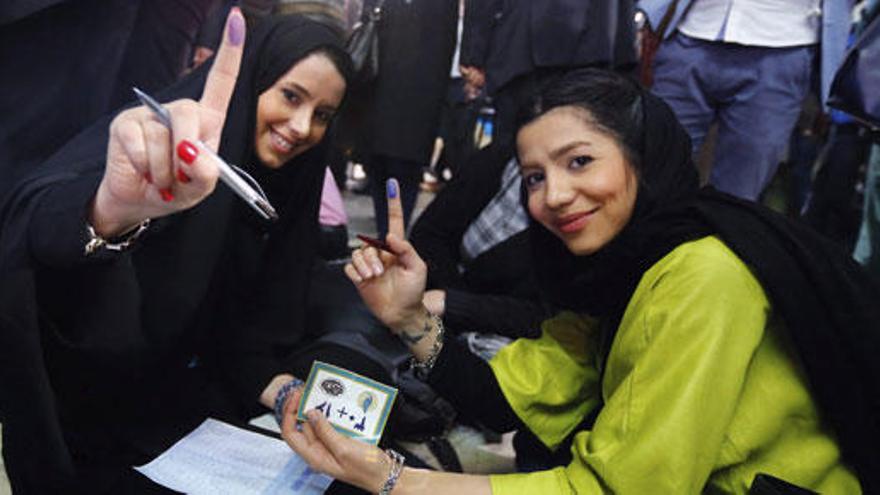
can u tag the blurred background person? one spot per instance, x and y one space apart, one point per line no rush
47 95
748 66
402 105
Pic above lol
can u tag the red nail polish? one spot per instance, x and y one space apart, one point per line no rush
182 177
149 177
187 152
166 195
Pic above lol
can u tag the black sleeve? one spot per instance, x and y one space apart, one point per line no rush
479 20
53 201
57 231
438 231
469 384
505 315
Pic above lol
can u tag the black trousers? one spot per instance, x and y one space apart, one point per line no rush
408 174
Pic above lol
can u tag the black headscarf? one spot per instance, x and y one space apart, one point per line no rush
173 265
828 304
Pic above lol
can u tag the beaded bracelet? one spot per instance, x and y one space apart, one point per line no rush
397 460
281 398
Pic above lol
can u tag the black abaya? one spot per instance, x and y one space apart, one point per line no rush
108 359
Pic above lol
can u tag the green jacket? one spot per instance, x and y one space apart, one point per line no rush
700 390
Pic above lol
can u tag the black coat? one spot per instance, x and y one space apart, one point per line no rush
510 38
66 64
416 44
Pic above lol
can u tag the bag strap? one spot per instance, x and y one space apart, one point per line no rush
664 21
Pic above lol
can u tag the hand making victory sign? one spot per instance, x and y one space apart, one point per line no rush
152 171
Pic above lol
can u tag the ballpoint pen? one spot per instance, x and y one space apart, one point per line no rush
255 198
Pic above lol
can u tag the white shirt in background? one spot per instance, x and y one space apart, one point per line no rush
770 23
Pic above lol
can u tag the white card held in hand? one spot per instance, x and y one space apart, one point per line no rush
355 405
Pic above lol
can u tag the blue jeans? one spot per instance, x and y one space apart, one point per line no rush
755 94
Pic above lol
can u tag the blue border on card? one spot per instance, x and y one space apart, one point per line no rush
369 382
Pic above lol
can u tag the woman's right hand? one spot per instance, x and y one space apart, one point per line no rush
142 178
391 285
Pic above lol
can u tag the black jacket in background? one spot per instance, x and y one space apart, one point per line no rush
511 38
402 105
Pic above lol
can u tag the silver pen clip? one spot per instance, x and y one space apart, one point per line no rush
231 175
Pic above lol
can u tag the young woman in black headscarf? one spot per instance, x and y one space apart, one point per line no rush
203 310
705 340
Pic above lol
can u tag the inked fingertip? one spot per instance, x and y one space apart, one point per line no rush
391 188
235 33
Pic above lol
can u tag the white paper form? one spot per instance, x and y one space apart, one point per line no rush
218 458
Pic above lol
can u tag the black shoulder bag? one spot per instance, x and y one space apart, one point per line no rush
363 44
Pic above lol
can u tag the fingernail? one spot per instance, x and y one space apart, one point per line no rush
312 415
378 268
236 27
187 152
149 177
166 195
182 177
391 187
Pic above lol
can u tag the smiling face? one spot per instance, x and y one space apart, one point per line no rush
293 114
580 185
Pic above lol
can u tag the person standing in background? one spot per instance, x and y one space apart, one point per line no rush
507 46
402 105
747 65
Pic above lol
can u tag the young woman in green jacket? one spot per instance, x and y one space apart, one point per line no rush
706 340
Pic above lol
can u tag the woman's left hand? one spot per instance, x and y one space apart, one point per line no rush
329 452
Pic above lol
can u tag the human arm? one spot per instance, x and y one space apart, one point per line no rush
672 382
510 316
94 178
142 179
438 232
364 465
488 313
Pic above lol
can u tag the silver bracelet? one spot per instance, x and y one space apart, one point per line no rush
422 368
397 460
94 242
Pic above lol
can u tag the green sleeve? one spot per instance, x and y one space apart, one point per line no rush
674 374
551 382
